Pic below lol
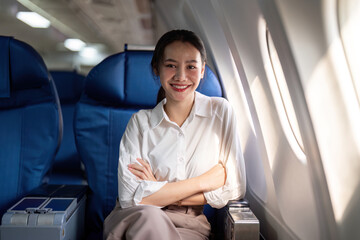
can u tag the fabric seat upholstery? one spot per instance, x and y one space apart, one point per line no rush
67 168
30 120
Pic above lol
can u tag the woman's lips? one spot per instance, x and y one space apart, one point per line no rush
179 88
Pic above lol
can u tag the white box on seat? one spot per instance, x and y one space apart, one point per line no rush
45 218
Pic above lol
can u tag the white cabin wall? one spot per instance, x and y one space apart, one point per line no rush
291 178
315 199
332 99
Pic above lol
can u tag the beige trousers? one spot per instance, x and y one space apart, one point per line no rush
149 222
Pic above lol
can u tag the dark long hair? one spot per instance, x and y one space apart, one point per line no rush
165 40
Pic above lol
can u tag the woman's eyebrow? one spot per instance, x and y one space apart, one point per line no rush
169 60
187 61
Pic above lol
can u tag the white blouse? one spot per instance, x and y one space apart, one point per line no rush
207 136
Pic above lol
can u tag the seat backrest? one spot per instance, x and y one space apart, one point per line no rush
30 120
67 168
114 90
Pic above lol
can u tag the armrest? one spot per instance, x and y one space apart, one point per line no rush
242 203
240 221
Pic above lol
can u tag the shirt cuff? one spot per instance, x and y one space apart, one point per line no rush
213 200
146 188
221 196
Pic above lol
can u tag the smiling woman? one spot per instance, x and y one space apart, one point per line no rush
180 155
169 38
180 74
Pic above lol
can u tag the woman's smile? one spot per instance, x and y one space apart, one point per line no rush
180 71
180 87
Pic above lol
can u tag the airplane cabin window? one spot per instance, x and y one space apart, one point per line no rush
348 20
283 101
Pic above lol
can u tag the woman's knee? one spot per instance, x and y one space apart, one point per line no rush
150 212
140 222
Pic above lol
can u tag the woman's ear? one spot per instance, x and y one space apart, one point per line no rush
156 72
203 70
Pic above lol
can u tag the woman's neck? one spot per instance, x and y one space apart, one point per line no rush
179 111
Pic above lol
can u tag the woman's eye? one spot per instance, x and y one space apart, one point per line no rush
170 65
191 67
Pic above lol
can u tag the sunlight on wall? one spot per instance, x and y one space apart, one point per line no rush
239 103
349 19
280 92
236 96
335 114
265 118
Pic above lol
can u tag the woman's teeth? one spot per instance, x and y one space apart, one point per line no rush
179 87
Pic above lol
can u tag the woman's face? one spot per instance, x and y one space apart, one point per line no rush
180 71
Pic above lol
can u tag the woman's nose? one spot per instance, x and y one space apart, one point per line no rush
180 74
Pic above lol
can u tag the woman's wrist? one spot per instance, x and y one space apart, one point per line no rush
194 200
200 183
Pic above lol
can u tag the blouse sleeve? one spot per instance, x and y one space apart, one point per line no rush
131 190
235 185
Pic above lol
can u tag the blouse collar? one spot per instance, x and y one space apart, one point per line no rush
202 107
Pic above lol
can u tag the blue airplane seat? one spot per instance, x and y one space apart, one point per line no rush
68 168
114 90
30 120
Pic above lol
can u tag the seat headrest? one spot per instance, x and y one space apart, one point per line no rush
124 78
127 79
141 83
210 85
69 85
4 67
27 68
27 75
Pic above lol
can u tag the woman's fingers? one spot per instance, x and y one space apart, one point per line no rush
148 170
138 173
144 164
142 170
138 170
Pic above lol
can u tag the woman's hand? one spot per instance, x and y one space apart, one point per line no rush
188 191
142 171
214 178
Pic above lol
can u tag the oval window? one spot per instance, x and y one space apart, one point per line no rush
283 101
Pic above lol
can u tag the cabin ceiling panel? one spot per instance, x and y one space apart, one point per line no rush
108 22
